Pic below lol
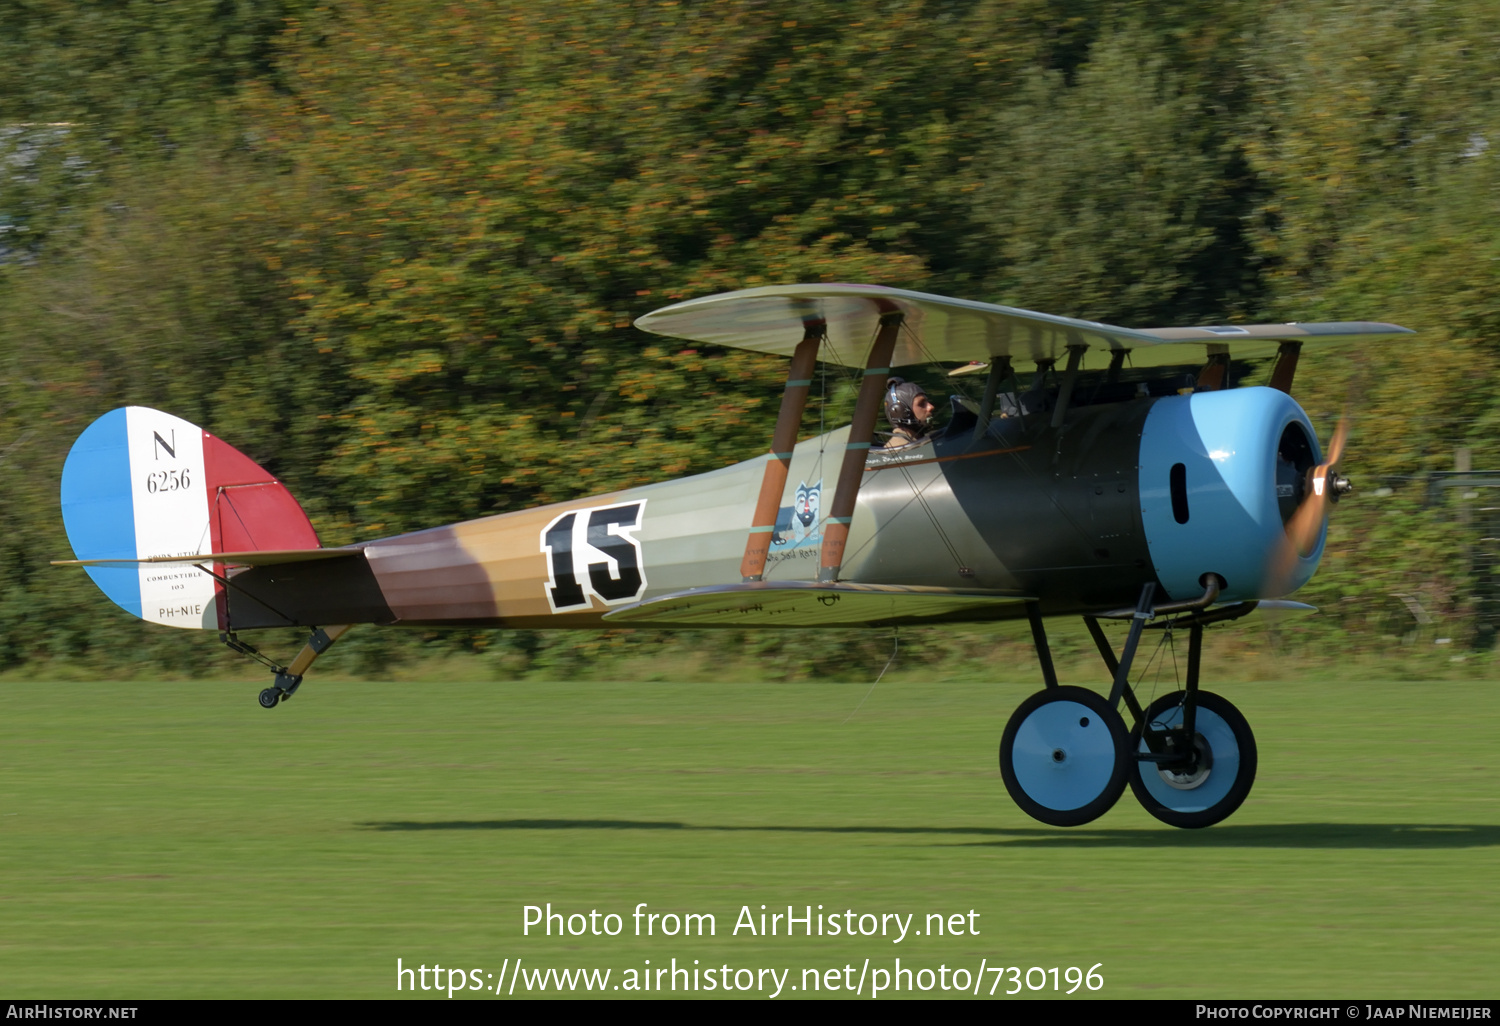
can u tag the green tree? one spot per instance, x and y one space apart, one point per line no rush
1115 197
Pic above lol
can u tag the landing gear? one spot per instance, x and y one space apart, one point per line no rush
1192 780
286 686
1063 756
288 678
1066 754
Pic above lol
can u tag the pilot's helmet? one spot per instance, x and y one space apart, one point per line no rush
899 396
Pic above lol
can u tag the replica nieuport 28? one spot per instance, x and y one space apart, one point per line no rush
1127 480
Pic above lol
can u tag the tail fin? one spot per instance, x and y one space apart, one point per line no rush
139 483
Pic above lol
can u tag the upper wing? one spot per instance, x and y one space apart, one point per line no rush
943 330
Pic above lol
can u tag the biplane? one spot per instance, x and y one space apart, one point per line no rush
1125 478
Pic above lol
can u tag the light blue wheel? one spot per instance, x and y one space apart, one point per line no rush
1063 756
1212 780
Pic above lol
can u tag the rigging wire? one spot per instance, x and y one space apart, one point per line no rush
850 375
1169 642
895 644
933 361
816 471
937 525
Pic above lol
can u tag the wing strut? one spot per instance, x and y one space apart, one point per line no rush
1070 379
1215 373
861 432
1286 366
783 441
999 372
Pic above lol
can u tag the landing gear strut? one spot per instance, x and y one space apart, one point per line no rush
288 678
1190 757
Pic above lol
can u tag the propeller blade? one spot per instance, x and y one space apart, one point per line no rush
1301 535
1306 524
1336 443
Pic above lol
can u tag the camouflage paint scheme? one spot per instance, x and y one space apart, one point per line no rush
988 514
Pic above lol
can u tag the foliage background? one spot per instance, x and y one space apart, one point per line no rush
392 250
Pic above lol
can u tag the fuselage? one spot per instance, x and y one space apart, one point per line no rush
1156 489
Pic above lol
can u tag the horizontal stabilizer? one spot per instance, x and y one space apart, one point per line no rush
229 558
939 329
1285 606
806 604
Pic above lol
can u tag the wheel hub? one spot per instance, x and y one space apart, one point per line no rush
1194 767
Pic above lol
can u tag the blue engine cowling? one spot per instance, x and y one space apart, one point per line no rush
1220 473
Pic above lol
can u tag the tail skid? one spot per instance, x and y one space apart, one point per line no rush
288 678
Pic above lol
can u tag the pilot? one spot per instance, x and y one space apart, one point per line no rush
909 411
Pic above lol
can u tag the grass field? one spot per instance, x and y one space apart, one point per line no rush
177 841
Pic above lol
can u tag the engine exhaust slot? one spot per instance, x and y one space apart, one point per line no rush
1178 481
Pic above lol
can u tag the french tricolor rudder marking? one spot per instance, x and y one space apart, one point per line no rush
140 483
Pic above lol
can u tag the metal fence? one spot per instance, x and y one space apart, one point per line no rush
1473 496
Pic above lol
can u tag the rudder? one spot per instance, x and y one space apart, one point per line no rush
139 482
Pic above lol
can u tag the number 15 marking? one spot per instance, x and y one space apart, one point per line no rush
593 553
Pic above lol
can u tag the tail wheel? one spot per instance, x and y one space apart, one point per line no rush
1216 771
1064 756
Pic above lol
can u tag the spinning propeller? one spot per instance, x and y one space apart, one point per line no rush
1323 486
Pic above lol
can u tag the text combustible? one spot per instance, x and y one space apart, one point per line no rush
767 922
